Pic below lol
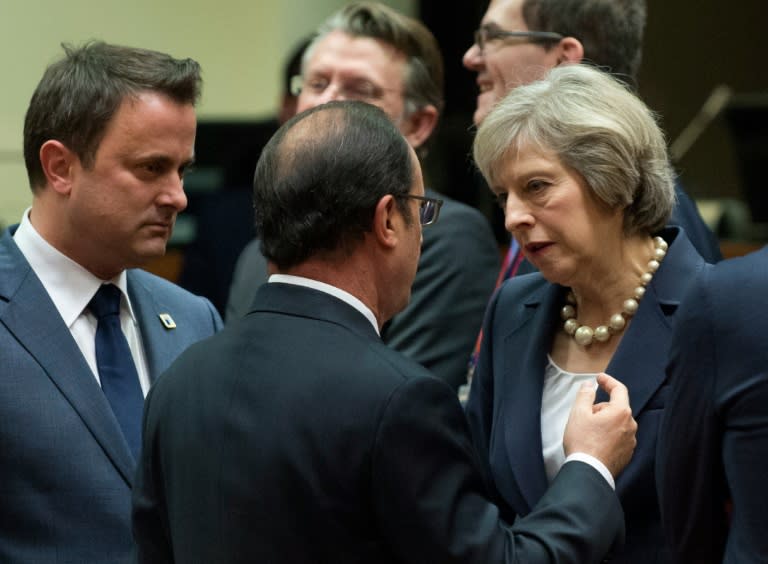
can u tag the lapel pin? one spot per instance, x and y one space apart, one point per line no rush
167 320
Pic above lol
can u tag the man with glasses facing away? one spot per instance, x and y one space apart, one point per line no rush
369 52
518 41
296 436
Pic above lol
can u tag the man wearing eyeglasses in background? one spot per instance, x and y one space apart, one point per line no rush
370 53
518 41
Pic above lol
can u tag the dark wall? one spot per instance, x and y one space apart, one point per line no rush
690 48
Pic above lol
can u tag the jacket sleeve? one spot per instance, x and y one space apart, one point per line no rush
712 442
433 507
151 530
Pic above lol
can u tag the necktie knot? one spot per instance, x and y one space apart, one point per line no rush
106 301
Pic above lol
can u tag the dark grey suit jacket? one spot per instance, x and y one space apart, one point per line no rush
65 468
456 276
713 446
295 436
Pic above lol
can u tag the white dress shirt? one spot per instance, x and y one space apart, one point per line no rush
71 287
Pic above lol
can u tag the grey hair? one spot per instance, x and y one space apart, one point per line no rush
424 63
597 127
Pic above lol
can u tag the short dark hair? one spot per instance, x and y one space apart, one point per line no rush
80 93
424 78
611 31
320 177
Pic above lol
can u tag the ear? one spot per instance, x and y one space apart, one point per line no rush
570 50
58 163
287 110
419 125
385 224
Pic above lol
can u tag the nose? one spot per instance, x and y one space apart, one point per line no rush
173 194
473 58
333 93
309 99
517 214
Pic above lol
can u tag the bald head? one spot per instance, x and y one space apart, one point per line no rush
320 177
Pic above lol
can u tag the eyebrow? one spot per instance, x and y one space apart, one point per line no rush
165 160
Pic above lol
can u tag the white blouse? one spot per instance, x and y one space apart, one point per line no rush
560 391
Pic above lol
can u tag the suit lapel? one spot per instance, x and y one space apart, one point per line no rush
154 336
31 318
528 345
651 328
640 360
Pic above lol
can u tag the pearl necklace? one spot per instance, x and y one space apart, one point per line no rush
583 334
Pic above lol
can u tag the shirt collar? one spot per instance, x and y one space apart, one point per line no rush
328 289
69 285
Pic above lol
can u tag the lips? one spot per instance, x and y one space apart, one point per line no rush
163 225
484 86
535 248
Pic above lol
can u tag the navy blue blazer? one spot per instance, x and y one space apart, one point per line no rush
505 400
310 441
713 446
65 468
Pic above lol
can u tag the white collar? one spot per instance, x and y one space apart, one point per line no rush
328 289
69 285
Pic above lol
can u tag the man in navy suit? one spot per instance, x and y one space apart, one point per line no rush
712 465
108 135
295 435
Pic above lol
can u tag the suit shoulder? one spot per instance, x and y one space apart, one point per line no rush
748 268
251 250
731 292
460 229
385 369
389 365
166 293
453 210
159 285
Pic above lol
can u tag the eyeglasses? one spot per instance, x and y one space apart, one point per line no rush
486 34
358 89
429 208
